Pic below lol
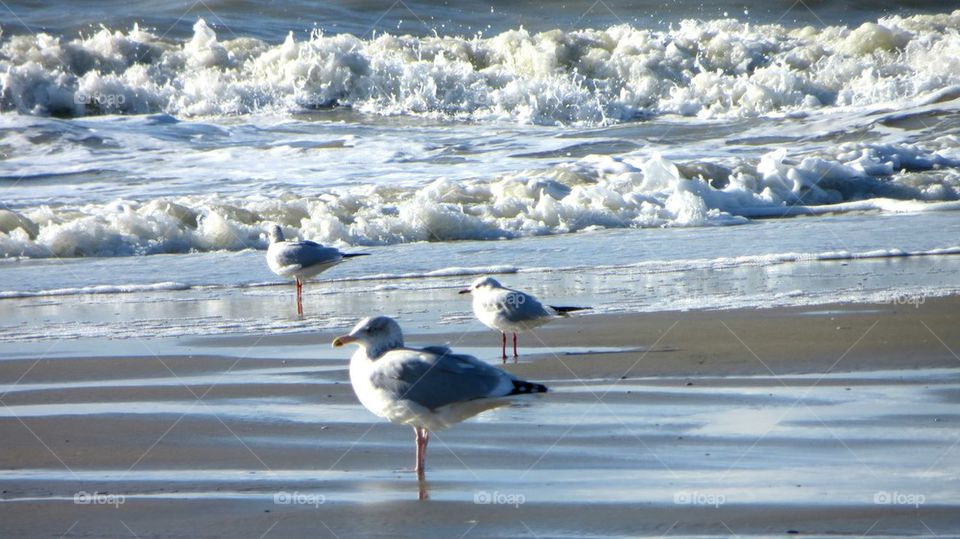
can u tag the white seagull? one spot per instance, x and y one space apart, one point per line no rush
429 389
508 310
300 259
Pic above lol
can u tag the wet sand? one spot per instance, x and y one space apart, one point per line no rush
837 420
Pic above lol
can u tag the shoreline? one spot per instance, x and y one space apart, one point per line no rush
432 305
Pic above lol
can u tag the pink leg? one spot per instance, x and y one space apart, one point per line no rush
423 491
422 437
503 347
423 454
515 355
299 297
416 437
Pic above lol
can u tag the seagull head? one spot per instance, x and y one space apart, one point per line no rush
483 283
275 233
375 334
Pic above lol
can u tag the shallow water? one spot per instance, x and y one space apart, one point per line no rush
130 141
769 263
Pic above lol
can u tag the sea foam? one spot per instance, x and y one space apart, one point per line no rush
598 191
709 69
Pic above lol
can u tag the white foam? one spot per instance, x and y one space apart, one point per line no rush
770 259
633 191
100 289
454 271
716 68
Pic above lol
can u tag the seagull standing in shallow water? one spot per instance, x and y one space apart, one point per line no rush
300 259
507 310
430 388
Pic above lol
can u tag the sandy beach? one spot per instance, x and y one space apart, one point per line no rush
837 420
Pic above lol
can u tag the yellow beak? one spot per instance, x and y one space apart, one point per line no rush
342 340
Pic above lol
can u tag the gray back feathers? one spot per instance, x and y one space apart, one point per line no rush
306 254
517 306
435 376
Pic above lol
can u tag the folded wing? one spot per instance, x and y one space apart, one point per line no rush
516 306
436 377
305 254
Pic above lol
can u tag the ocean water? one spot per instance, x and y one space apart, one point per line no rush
633 155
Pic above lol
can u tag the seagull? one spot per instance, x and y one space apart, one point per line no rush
429 388
508 310
301 259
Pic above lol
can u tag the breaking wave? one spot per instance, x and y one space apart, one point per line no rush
709 69
631 191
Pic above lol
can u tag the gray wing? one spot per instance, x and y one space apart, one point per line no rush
435 376
306 254
517 306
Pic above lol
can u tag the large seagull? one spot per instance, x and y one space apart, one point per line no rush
428 389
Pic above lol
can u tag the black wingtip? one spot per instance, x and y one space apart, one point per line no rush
351 255
521 387
569 309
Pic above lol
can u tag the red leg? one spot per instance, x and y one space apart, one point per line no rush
503 347
515 355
